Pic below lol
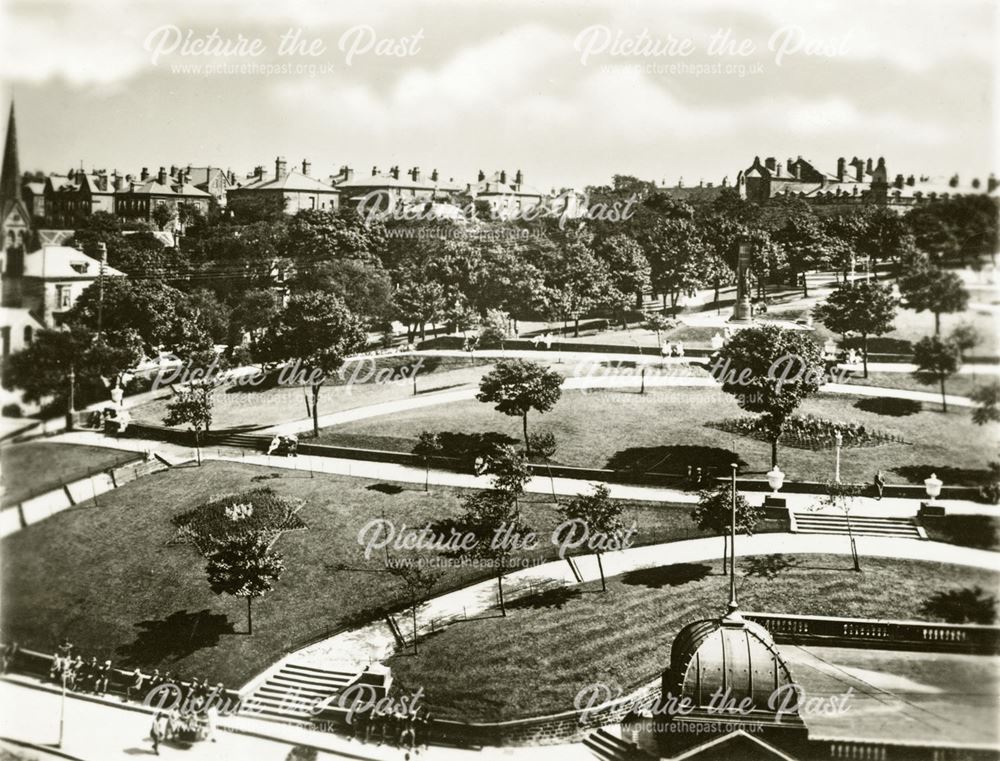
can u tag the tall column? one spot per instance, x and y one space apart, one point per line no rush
741 310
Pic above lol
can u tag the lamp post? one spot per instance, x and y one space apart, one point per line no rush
733 606
838 440
932 486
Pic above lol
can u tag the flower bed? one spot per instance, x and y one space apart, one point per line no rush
257 511
808 432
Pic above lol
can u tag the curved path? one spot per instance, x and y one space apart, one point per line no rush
374 642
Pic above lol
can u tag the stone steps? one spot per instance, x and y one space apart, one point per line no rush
292 692
822 523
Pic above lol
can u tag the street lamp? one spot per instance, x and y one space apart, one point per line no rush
932 486
838 440
733 605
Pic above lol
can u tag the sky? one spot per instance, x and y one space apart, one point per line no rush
571 93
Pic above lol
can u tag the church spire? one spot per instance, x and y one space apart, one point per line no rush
10 174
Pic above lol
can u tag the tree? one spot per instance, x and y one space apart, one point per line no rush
578 281
987 399
159 314
492 519
628 269
318 331
936 361
495 328
965 337
59 362
934 290
714 511
509 470
419 581
966 605
517 386
244 566
676 252
841 496
658 323
192 405
428 445
162 214
866 308
806 244
543 446
595 516
770 370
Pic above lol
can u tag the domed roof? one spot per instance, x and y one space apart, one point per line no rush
728 656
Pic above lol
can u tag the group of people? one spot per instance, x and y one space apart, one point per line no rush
387 725
187 726
671 349
79 674
286 445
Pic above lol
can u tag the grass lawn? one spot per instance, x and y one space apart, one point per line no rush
110 578
959 385
664 430
360 386
550 646
38 466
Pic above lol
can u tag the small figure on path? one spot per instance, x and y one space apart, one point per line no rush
879 484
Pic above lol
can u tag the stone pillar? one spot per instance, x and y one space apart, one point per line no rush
741 310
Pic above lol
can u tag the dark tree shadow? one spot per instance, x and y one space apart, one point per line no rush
471 445
552 598
385 488
881 345
667 575
978 531
673 459
175 637
968 605
951 476
884 405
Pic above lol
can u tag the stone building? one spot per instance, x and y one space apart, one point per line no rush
47 282
290 190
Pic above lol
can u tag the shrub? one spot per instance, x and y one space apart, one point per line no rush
12 410
808 432
968 605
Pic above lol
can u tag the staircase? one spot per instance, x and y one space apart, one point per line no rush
823 523
605 745
291 693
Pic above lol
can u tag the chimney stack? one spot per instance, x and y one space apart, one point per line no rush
991 183
868 166
306 166
503 176
434 175
161 177
953 181
415 174
769 164
482 175
144 175
911 180
394 172
841 169
280 168
518 178
374 171
899 181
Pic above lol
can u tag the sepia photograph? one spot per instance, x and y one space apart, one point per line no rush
508 380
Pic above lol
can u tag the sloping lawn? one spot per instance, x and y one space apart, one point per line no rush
360 386
112 579
664 430
36 467
550 646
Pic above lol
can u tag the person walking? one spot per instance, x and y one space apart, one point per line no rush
156 732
